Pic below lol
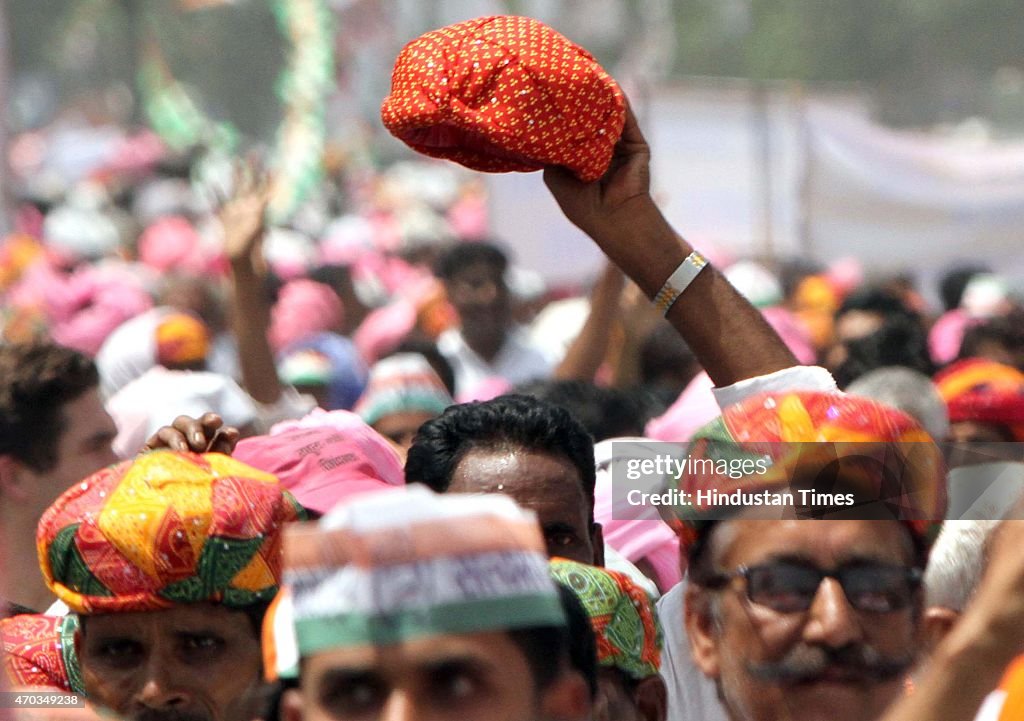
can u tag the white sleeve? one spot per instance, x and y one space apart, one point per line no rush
292 405
797 378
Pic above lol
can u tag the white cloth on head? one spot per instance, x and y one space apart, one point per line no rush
159 396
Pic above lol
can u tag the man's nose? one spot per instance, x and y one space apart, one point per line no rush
485 293
401 707
159 689
832 620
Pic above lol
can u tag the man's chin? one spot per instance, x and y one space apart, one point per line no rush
838 698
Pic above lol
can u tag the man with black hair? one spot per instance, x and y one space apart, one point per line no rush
874 329
53 430
523 447
487 344
410 605
604 412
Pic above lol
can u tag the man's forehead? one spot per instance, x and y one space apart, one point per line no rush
180 617
410 653
827 542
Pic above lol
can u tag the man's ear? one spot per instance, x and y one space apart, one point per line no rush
936 624
566 699
292 705
701 629
651 698
597 541
12 478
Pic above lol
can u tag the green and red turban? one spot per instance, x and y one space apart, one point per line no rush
626 626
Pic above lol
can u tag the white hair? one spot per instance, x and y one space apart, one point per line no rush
956 563
911 392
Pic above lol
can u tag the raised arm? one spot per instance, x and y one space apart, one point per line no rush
726 333
242 220
587 352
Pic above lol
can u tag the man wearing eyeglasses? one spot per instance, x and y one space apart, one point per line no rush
805 619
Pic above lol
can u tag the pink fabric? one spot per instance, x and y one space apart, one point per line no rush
845 274
694 407
485 391
946 335
346 240
792 333
647 538
324 458
384 329
171 243
468 217
83 307
304 308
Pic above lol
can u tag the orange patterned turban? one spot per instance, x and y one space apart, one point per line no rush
977 389
166 528
799 431
503 94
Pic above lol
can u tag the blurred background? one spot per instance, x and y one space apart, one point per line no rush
884 131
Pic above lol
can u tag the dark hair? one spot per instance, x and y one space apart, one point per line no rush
1006 331
954 282
900 341
463 255
546 648
604 412
36 381
512 421
664 353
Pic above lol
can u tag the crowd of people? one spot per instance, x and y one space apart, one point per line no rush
366 472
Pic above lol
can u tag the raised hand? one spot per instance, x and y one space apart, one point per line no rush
600 207
243 215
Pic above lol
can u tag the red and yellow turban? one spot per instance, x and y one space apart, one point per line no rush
166 528
977 389
808 431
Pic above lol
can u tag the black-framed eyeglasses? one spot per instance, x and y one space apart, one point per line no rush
790 586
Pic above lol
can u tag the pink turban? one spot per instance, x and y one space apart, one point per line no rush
304 308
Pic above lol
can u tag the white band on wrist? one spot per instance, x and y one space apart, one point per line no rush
679 281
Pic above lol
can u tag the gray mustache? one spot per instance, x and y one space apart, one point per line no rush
811 663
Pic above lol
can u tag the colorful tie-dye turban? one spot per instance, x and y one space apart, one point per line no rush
627 629
884 456
166 528
502 94
977 389
39 652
